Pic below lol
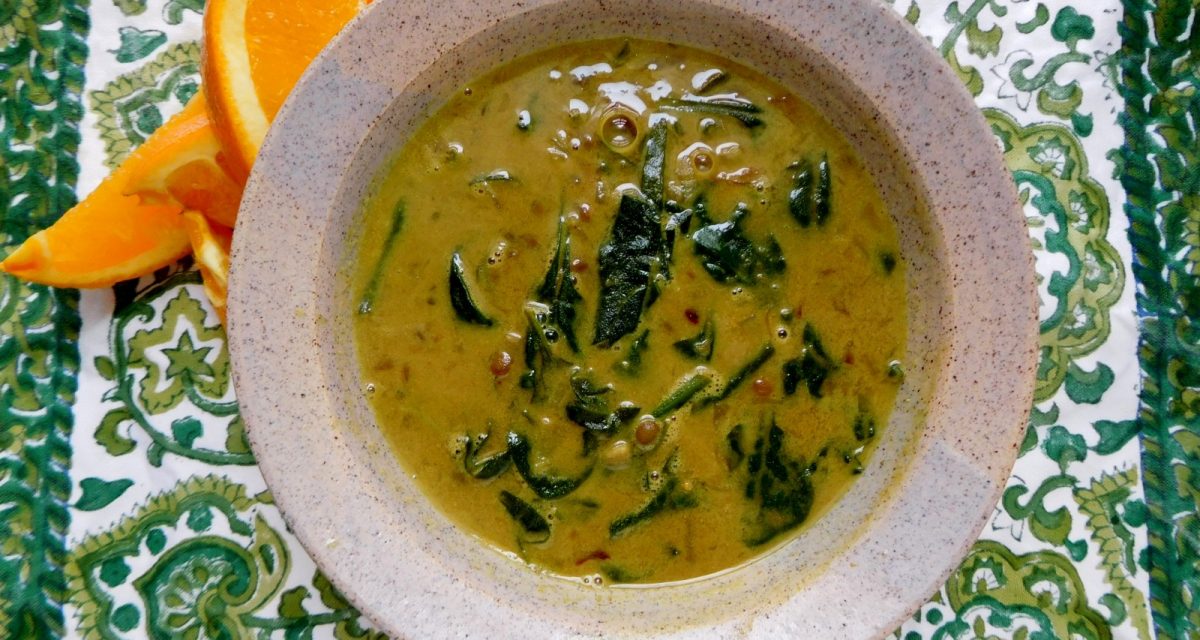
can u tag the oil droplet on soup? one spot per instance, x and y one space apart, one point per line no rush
631 321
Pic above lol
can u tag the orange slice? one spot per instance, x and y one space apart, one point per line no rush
210 246
112 236
189 168
254 52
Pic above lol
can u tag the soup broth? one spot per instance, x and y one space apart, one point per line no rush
629 310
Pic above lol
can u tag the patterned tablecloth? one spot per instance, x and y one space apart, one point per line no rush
130 505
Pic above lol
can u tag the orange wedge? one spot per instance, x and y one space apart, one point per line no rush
254 52
210 246
190 168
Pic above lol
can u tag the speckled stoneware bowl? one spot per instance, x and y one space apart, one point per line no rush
858 571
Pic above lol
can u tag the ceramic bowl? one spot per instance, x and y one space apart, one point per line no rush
858 571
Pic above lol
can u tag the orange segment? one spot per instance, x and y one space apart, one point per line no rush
111 236
254 52
187 167
210 246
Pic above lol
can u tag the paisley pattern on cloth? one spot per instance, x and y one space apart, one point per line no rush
130 505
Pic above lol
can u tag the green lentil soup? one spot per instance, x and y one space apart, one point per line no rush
629 310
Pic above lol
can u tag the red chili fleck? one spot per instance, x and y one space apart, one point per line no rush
848 358
762 387
585 212
692 316
578 266
598 554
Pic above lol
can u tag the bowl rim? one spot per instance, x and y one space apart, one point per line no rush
257 343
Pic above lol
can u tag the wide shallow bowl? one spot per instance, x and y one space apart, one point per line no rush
859 570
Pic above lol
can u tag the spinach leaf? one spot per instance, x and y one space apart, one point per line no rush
532 523
727 254
731 106
781 486
461 299
591 411
655 163
632 364
864 426
367 304
740 376
668 497
809 199
547 487
558 289
626 261
699 346
681 394
489 466
812 367
734 453
543 348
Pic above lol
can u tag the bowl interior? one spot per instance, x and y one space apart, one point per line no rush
863 566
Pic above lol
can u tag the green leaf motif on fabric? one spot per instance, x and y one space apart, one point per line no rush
1159 166
1069 27
1049 525
98 493
998 594
42 49
1105 504
167 353
1051 172
132 106
188 583
1087 387
174 10
131 7
137 44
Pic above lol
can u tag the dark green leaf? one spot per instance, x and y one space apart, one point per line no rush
626 261
743 110
812 367
558 289
591 409
735 453
810 198
488 466
781 486
699 346
531 522
654 163
632 363
727 254
864 427
547 487
461 299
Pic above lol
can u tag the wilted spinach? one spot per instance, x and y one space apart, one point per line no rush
727 254
465 306
627 259
591 408
730 106
547 487
558 290
780 489
534 526
809 199
699 346
812 367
